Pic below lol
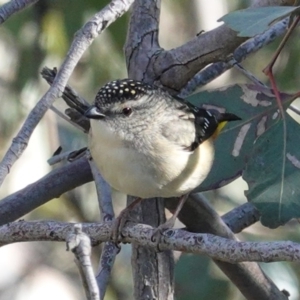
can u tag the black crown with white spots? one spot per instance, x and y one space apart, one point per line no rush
122 90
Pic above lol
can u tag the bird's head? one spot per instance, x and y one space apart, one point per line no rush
120 98
127 106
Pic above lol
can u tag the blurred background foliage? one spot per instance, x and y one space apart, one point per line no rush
40 36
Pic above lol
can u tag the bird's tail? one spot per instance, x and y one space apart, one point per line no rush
222 119
227 117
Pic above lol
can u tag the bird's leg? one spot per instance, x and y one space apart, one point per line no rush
120 221
156 236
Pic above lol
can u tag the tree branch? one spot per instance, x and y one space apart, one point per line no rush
110 249
78 172
176 239
176 67
241 217
216 69
142 38
199 216
141 45
82 41
51 186
10 8
79 243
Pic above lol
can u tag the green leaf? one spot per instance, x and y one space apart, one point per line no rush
264 174
253 21
258 109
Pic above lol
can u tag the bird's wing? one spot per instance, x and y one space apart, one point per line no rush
189 125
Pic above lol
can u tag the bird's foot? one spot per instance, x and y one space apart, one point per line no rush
159 231
120 221
118 225
169 224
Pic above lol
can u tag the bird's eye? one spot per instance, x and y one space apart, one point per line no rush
127 111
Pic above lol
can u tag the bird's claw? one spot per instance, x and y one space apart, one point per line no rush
158 232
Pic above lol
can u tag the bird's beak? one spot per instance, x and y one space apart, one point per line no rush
93 113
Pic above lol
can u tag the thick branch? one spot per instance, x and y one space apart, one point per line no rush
254 44
180 240
142 38
174 68
51 186
156 281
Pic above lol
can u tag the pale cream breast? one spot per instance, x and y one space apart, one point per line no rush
183 171
123 168
165 171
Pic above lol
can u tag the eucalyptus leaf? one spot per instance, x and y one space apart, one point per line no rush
273 190
253 21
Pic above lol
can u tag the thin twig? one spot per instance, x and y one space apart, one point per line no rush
64 117
80 244
250 76
109 250
291 28
55 159
103 193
